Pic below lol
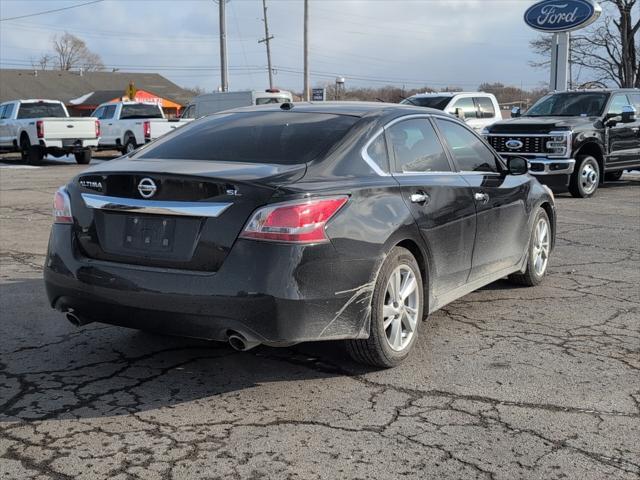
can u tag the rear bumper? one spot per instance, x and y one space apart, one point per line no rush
60 144
278 294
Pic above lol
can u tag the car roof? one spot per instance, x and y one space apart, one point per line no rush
354 109
448 94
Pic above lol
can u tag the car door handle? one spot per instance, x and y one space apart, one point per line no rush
481 197
419 197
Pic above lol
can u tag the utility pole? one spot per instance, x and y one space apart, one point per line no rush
224 78
266 41
306 51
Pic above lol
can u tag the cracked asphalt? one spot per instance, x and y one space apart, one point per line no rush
506 383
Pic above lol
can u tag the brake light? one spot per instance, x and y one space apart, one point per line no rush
301 221
97 128
62 207
40 128
146 127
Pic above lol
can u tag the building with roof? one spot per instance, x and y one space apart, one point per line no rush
81 92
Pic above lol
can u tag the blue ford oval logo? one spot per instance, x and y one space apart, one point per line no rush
514 144
562 15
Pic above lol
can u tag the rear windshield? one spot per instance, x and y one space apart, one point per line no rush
254 137
40 110
432 102
140 110
266 100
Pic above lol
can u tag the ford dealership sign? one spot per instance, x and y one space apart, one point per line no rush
562 15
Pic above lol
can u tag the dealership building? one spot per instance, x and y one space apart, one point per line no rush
82 92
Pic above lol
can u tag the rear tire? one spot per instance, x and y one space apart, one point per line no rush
395 318
129 145
585 178
613 176
25 145
35 155
538 252
83 157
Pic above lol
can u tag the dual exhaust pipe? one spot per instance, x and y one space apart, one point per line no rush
236 340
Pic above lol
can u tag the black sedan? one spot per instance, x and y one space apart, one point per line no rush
294 223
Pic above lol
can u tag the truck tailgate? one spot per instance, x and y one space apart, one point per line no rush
69 128
160 127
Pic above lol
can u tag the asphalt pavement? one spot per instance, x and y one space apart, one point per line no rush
505 383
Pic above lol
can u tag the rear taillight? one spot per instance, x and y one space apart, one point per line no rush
62 207
146 128
97 128
300 221
40 128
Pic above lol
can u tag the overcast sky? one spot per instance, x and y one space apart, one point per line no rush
371 43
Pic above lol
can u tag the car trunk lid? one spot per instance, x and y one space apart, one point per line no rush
169 214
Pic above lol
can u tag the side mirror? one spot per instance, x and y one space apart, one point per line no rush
459 113
628 114
517 165
516 112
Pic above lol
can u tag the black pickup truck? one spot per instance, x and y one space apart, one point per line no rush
574 139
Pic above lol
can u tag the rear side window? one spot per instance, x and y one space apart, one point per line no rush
140 110
377 152
470 153
8 111
417 148
41 109
254 137
467 106
485 107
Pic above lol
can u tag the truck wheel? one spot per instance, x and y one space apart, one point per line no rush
129 145
25 145
396 312
537 253
83 157
613 176
585 178
35 155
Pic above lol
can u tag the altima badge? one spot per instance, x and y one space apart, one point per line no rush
147 188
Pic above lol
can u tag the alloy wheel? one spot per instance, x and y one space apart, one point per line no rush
400 309
541 245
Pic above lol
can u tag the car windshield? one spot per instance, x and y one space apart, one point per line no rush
433 102
41 110
572 104
254 137
140 110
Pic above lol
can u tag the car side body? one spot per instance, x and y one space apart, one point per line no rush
465 229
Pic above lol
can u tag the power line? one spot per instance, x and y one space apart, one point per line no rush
50 11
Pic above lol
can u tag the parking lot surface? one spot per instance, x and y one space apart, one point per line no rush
506 383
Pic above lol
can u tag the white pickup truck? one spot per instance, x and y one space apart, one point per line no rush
40 127
127 125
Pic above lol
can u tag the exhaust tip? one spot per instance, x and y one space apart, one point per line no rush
73 319
237 343
240 342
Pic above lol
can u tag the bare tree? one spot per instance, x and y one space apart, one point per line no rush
72 52
43 62
606 51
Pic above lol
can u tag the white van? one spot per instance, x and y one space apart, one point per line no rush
218 101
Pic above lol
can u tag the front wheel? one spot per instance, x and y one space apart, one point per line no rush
397 307
538 253
83 157
585 178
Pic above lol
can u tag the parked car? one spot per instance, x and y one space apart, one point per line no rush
575 139
36 128
478 109
280 225
218 101
127 125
